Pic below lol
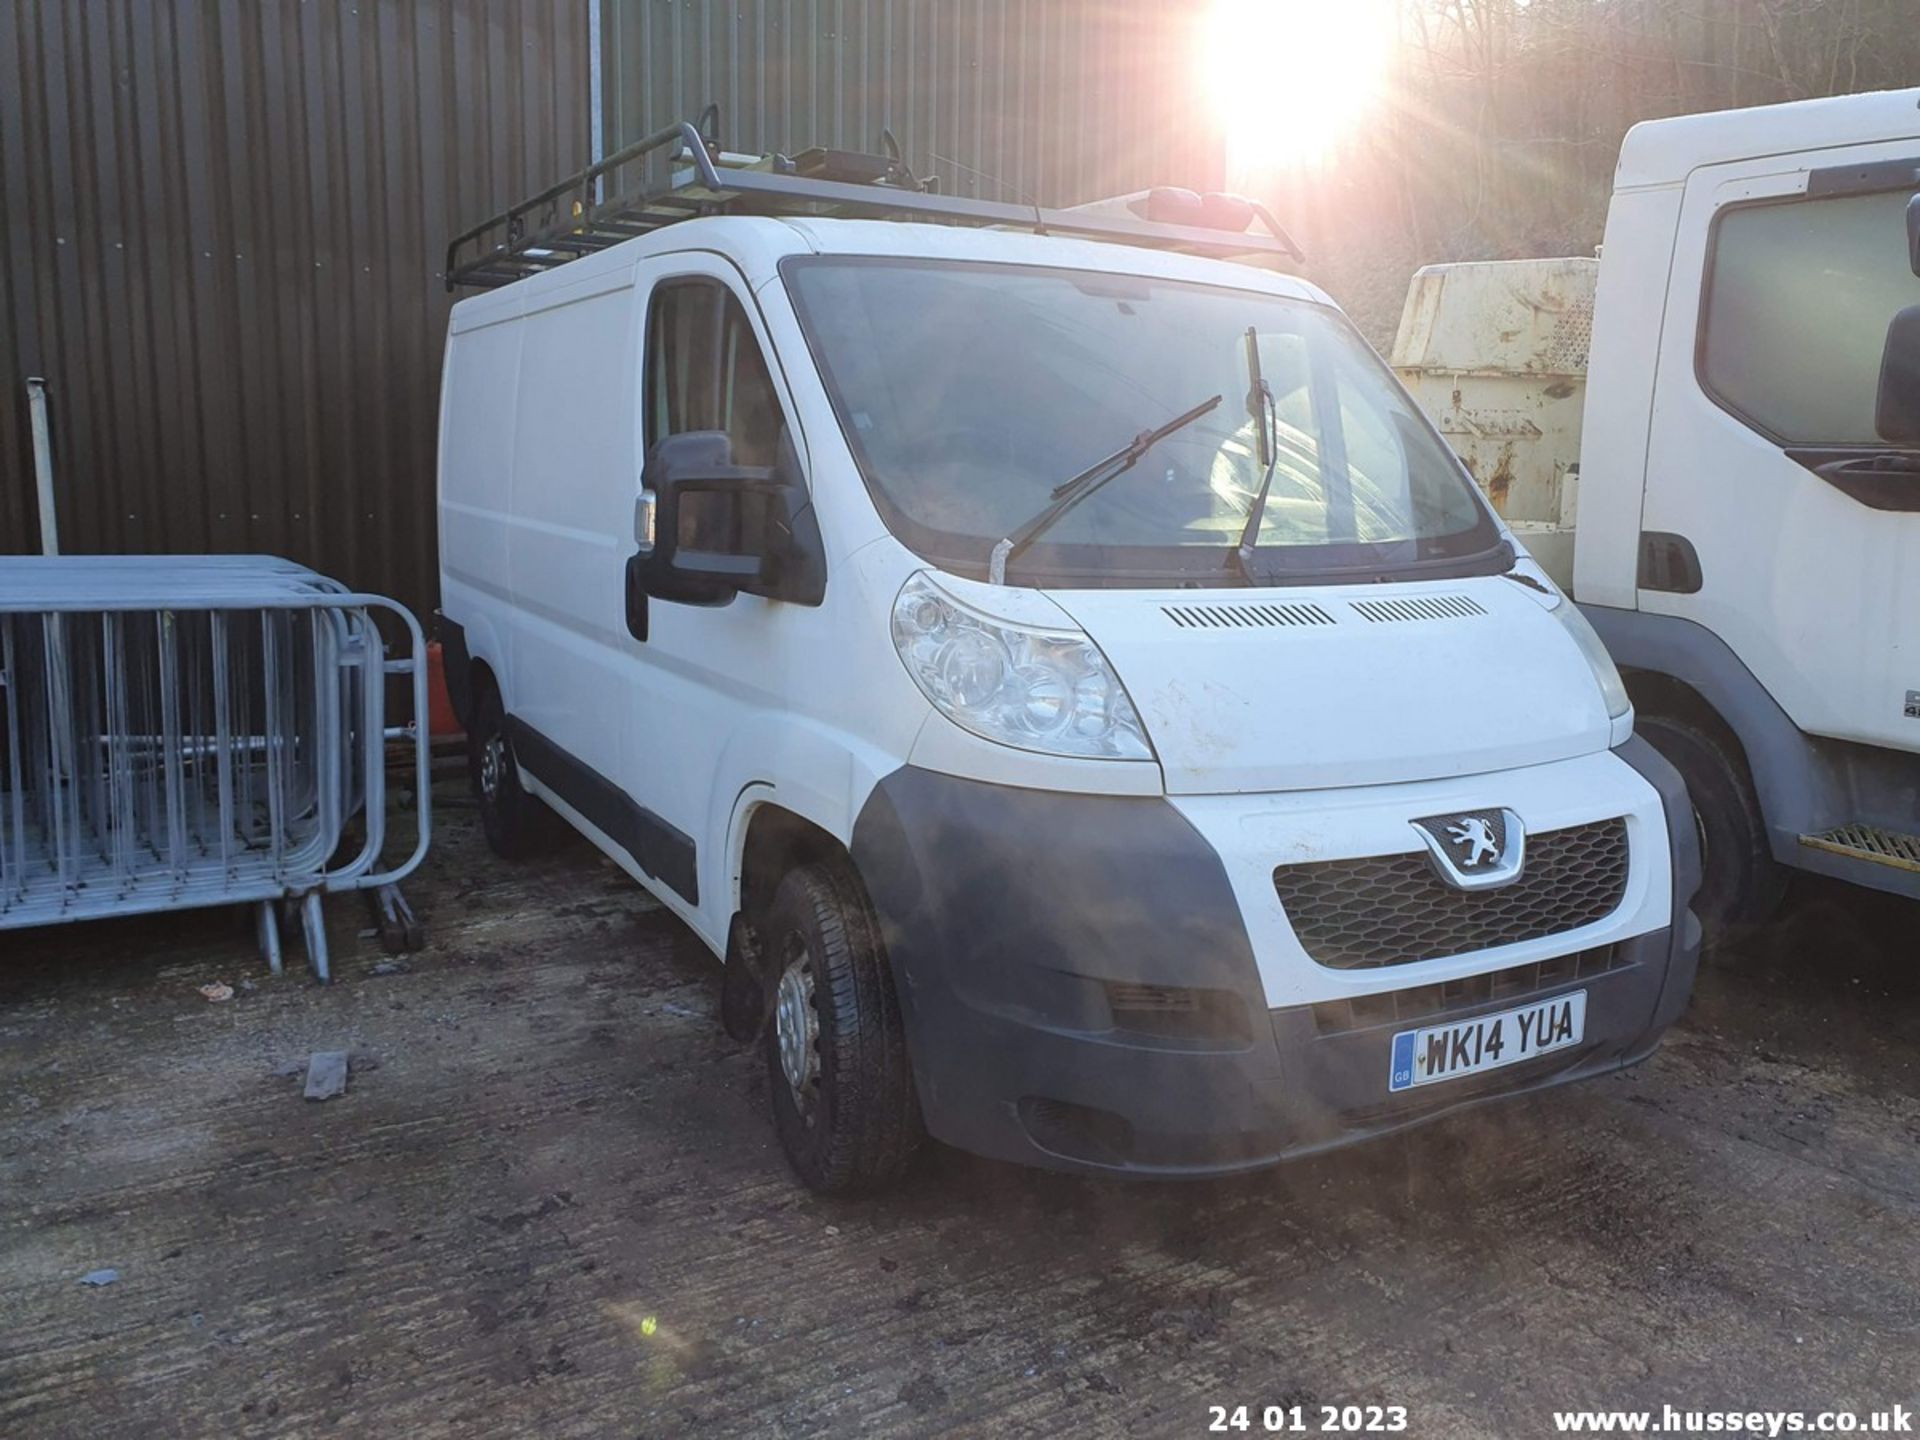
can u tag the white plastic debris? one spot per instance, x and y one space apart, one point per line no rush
326 1074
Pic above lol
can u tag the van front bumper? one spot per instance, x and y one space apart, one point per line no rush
1080 991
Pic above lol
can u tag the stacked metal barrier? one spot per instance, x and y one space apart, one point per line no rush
190 731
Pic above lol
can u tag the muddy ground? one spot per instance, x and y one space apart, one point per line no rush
550 1204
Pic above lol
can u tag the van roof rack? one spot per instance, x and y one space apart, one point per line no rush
572 218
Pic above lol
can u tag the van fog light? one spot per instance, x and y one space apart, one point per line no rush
1047 690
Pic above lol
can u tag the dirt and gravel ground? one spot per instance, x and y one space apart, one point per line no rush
549 1204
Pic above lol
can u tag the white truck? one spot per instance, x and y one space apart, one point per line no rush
1739 513
1090 711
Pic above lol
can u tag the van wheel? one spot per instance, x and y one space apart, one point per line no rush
1740 882
843 1101
517 825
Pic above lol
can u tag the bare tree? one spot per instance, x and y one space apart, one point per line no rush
1504 118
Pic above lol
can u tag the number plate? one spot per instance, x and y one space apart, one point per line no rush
1468 1047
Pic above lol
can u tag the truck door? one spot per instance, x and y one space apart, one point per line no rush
1764 462
703 671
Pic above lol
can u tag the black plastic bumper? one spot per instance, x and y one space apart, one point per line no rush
1080 993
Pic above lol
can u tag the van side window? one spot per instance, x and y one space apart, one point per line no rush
705 370
1799 296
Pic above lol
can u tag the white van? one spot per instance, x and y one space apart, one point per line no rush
1092 714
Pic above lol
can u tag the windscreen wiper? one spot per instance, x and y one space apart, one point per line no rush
1070 493
1266 426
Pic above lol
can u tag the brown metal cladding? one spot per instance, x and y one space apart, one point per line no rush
1053 101
225 221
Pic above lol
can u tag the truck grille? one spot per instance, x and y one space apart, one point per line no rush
1393 909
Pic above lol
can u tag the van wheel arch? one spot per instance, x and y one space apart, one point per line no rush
777 841
516 824
480 677
805 940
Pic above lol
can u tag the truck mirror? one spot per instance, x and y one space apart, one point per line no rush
719 529
1897 409
1913 233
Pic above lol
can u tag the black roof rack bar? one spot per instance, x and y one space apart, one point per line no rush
570 220
580 188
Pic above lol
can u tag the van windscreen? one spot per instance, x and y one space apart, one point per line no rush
968 392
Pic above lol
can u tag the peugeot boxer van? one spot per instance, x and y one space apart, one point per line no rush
1087 708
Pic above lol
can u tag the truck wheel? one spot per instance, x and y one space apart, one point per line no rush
517 825
843 1101
1740 882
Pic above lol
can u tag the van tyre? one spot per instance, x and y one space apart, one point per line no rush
843 1100
517 825
1740 881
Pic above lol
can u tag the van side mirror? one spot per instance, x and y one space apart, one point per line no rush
719 529
1913 233
1896 413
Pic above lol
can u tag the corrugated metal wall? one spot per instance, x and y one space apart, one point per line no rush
225 221
1054 101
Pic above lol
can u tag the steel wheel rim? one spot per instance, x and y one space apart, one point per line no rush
797 1028
493 764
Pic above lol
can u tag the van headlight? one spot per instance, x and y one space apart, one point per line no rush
1049 690
1595 649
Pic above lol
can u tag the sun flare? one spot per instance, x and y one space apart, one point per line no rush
1289 79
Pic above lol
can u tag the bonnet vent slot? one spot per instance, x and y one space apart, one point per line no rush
1421 607
1262 616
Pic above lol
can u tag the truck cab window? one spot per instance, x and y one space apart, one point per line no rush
705 370
1798 301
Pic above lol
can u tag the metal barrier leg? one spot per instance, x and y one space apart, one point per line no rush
400 932
269 928
313 922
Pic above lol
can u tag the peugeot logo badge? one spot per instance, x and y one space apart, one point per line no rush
1475 849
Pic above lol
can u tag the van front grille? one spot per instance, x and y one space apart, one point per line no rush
1422 1003
1394 910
